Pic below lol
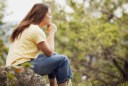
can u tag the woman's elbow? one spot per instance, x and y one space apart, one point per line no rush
49 54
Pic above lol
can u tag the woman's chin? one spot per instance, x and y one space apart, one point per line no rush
49 23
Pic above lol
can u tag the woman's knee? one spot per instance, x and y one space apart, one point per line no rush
65 58
59 59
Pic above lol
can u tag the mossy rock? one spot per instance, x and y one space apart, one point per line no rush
12 76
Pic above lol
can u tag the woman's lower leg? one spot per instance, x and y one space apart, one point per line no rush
53 82
63 72
63 84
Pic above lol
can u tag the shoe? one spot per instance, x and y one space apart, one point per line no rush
69 82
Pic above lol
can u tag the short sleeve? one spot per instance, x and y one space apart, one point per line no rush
38 35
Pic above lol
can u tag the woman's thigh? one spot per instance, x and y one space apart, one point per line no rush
44 65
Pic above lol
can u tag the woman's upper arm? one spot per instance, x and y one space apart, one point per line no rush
39 38
45 48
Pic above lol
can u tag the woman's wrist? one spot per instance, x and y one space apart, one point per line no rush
52 33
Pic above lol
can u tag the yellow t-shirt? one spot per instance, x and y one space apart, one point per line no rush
25 47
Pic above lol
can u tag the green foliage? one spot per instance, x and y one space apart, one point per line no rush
3 48
124 84
2 9
26 65
97 47
10 76
3 52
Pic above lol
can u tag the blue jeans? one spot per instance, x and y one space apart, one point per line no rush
55 66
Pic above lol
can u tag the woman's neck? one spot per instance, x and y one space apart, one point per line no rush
41 25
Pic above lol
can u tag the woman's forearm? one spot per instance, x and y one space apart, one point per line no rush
50 40
51 31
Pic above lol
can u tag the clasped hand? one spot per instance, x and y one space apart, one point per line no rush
52 28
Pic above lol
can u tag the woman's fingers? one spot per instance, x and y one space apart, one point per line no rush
51 28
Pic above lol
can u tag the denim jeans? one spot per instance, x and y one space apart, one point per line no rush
55 66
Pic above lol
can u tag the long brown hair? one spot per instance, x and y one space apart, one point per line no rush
34 16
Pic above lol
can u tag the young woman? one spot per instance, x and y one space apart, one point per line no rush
28 39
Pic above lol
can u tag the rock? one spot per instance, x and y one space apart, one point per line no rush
10 76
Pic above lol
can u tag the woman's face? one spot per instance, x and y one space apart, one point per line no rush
48 17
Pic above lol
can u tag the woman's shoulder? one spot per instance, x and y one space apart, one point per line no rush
35 29
33 26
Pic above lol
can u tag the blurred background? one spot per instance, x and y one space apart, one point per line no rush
92 33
